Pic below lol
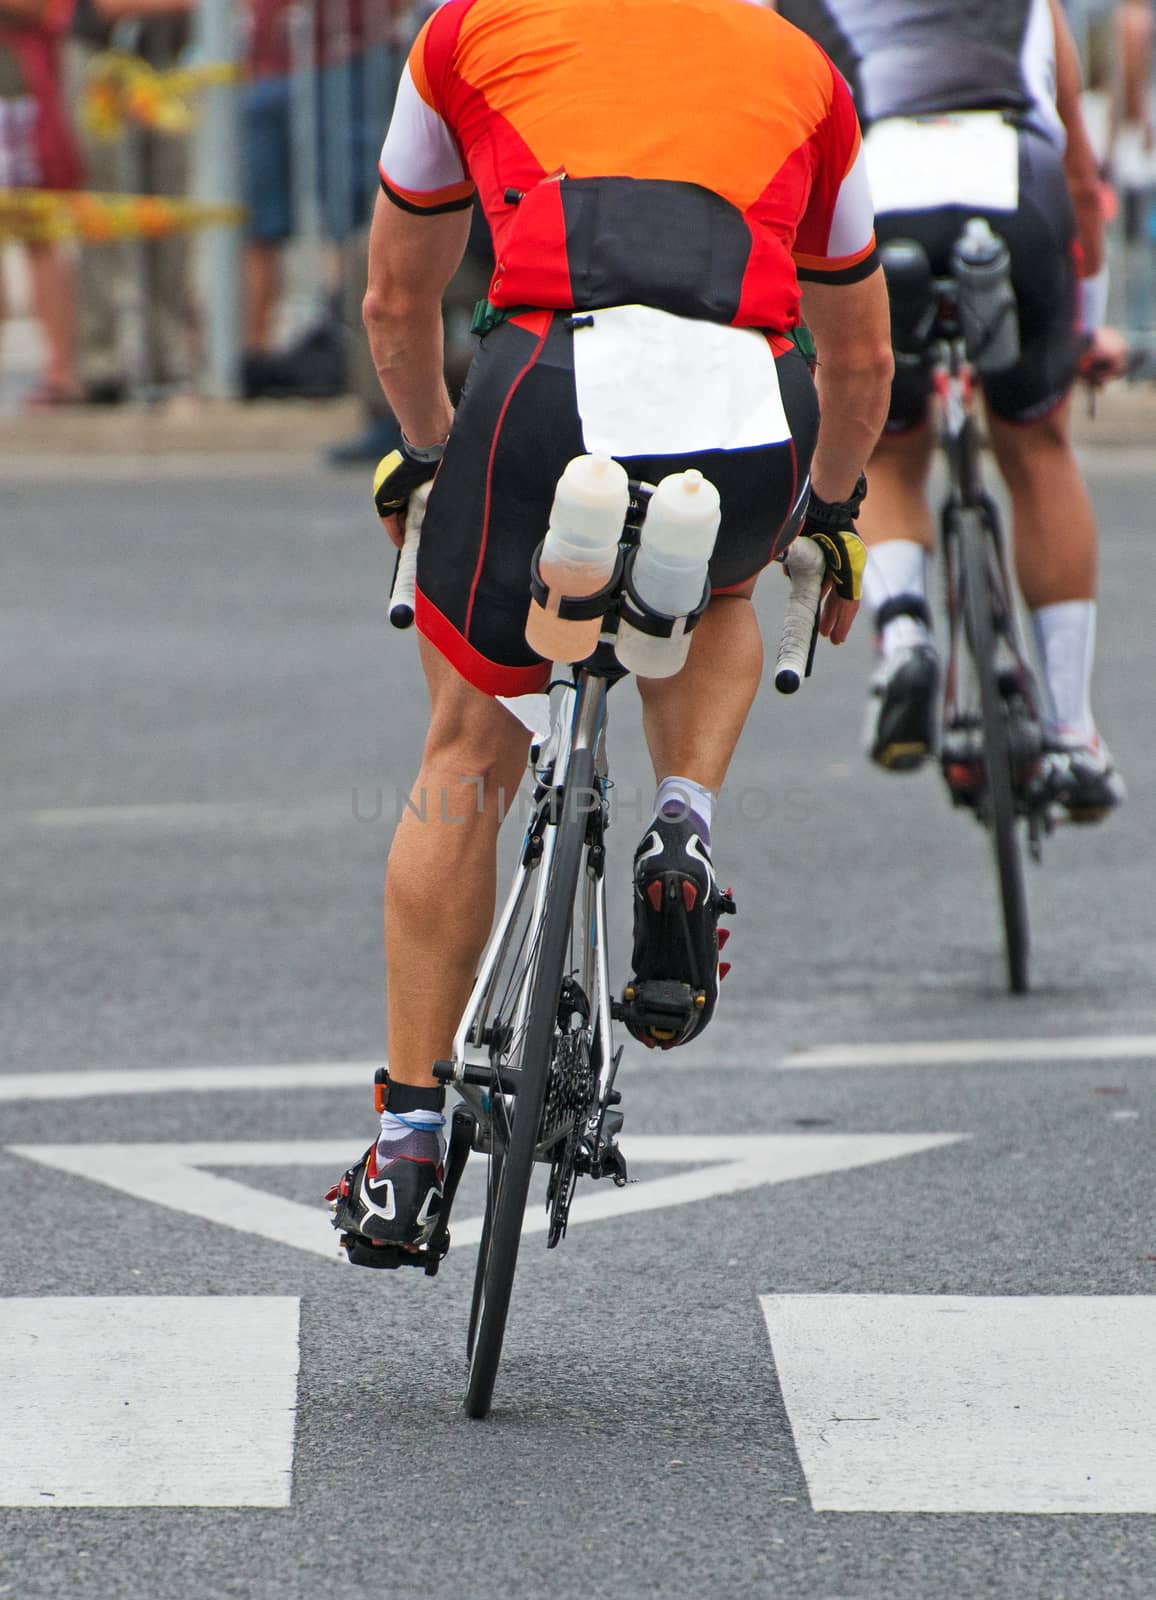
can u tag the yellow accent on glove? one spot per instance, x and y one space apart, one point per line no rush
846 557
386 501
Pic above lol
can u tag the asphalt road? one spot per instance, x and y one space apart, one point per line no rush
206 729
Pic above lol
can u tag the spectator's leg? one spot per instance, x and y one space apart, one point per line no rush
268 202
171 308
102 269
262 285
53 284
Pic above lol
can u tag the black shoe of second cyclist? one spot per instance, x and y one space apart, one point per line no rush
677 904
901 708
393 1198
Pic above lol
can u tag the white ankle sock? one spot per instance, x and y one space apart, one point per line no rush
895 567
1066 643
678 797
395 1128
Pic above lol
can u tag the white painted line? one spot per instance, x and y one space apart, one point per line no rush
186 1080
344 1074
264 818
945 1403
172 1176
963 1052
147 1401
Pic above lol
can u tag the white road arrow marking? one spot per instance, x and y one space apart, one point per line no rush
173 1175
948 1403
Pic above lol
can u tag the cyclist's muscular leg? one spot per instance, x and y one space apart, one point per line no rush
896 506
1055 555
693 721
440 883
1052 517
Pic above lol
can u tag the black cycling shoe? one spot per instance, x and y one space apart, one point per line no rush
391 1201
901 709
677 904
1082 777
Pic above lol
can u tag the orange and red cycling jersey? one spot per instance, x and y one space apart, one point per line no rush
695 155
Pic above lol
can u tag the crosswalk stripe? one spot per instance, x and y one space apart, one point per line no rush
1030 1404
147 1400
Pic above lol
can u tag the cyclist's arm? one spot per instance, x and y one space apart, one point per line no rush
851 325
412 258
416 244
1080 163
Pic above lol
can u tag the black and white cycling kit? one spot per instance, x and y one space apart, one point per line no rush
958 104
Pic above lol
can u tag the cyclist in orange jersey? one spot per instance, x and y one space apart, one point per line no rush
671 186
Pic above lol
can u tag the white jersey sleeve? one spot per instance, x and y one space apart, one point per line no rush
421 167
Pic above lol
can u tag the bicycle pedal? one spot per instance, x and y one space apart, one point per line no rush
360 1253
659 1010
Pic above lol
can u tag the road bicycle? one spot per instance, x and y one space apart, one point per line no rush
534 1059
991 742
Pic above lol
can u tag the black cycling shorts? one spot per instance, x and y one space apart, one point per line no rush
516 427
1040 237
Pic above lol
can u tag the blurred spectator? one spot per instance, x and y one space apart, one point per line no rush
143 161
1133 158
346 127
37 152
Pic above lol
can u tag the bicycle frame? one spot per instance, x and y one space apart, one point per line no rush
578 722
959 442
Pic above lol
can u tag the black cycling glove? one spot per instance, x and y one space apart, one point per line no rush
832 526
398 474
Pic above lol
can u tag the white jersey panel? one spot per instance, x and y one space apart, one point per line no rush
419 155
1038 66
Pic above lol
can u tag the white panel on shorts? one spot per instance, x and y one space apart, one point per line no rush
419 153
650 383
968 158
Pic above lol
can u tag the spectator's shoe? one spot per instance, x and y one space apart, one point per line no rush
379 437
393 1195
1082 777
112 391
677 904
901 708
267 375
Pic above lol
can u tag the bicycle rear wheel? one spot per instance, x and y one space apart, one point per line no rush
511 1167
979 601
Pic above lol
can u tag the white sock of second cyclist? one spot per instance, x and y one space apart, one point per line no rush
678 798
897 567
1065 634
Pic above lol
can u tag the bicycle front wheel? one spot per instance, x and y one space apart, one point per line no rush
511 1167
979 598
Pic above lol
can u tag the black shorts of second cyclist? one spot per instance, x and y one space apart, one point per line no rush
516 427
1040 237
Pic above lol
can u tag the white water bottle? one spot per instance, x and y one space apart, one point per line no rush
670 570
578 553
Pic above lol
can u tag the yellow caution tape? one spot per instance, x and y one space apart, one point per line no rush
39 215
121 89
